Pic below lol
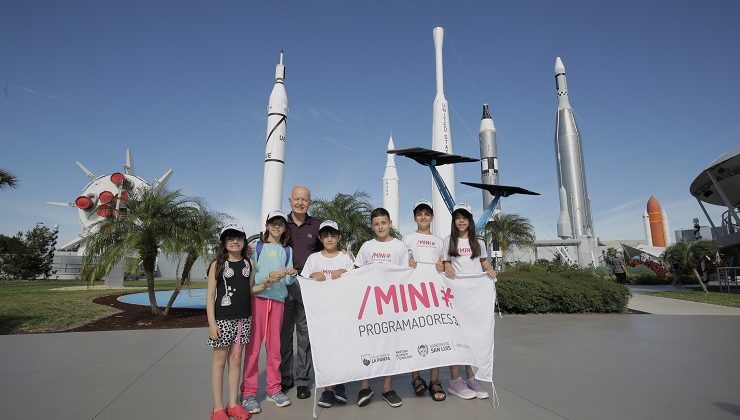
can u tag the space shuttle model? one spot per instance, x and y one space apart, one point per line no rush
277 127
657 231
574 221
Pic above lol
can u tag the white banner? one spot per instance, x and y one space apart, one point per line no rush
384 320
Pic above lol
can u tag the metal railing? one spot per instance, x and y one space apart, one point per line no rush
728 221
727 276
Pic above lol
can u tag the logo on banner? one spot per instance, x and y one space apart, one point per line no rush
368 359
438 347
410 297
403 354
423 350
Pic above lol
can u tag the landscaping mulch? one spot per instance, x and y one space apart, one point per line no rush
138 317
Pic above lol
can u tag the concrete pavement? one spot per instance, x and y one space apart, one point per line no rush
628 366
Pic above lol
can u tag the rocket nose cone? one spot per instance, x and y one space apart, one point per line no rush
559 67
391 146
653 206
486 112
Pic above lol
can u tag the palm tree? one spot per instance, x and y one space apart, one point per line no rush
151 221
199 241
507 229
7 179
689 253
352 214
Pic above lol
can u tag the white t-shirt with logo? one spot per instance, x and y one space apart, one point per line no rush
391 252
318 262
425 248
463 263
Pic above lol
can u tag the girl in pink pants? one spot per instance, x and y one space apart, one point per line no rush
274 267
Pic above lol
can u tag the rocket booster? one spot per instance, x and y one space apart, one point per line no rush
564 218
488 155
655 224
391 198
441 142
277 120
575 204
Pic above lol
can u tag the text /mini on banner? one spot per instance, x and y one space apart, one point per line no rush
384 319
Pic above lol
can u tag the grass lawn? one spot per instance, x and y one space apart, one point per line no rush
715 298
31 307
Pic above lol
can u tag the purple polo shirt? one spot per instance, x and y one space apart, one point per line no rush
304 239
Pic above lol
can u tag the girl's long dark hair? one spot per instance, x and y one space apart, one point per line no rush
223 254
284 238
474 245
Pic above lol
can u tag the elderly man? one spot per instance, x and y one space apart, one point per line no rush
304 239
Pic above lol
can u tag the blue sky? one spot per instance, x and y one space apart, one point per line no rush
185 85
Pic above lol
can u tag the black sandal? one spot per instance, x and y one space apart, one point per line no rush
419 385
435 389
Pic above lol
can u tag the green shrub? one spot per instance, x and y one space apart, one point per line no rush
604 273
569 291
641 274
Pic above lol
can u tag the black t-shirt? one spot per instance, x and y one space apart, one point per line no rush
233 280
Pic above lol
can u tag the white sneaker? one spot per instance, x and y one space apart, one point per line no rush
459 388
475 386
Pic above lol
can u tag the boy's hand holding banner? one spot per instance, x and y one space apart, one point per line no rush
384 319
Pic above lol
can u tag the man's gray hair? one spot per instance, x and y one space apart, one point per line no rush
303 187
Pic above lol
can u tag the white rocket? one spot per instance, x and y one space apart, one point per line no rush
441 142
277 123
391 197
488 156
574 220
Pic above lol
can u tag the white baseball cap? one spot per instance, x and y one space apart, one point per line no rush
275 214
424 203
463 206
329 224
237 230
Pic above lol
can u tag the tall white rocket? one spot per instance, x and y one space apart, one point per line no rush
391 197
277 124
441 142
574 220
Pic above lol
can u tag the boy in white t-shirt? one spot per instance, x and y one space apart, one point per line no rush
329 263
425 248
384 249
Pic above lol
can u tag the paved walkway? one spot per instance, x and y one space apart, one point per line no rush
547 367
642 302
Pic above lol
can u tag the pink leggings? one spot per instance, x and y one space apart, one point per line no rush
267 320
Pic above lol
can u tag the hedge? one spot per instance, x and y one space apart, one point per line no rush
576 291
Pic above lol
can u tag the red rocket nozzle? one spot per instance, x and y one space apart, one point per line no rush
106 197
117 178
123 198
84 202
104 210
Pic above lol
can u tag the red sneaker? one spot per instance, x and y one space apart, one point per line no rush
219 415
238 412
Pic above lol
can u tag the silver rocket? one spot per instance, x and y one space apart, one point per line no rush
391 198
575 205
441 142
488 156
277 123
